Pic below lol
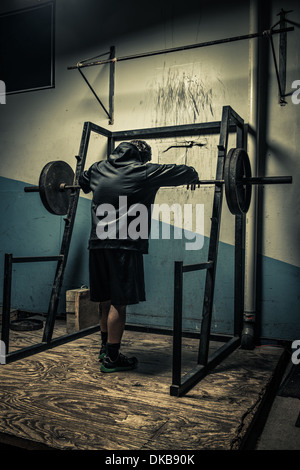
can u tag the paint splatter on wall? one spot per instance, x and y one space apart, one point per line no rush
184 97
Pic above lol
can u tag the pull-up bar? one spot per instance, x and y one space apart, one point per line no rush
180 48
113 59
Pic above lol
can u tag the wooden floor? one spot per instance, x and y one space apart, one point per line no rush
60 399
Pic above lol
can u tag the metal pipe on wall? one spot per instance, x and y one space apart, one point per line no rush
251 217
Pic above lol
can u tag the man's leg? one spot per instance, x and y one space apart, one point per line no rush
126 283
116 323
115 361
103 316
115 328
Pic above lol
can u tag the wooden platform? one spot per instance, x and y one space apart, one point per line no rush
59 399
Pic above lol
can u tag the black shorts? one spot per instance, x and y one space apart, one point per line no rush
116 275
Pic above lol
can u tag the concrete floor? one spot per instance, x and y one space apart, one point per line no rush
280 431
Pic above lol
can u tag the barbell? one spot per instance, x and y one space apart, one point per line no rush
56 183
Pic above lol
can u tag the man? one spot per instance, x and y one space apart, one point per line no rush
123 186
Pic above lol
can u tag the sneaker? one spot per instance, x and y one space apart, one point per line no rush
120 364
102 353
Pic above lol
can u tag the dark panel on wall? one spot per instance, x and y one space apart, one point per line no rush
27 48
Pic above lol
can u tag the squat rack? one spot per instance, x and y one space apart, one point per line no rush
230 123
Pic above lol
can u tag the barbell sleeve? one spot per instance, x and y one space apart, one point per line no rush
32 189
64 186
268 180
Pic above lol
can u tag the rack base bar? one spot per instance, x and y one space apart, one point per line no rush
44 346
190 379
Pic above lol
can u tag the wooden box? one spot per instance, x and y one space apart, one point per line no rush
81 312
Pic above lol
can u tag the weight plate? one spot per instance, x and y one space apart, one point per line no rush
52 175
238 194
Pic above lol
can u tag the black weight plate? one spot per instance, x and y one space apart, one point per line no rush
52 175
238 195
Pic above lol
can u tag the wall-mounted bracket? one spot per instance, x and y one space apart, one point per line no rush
110 111
280 66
